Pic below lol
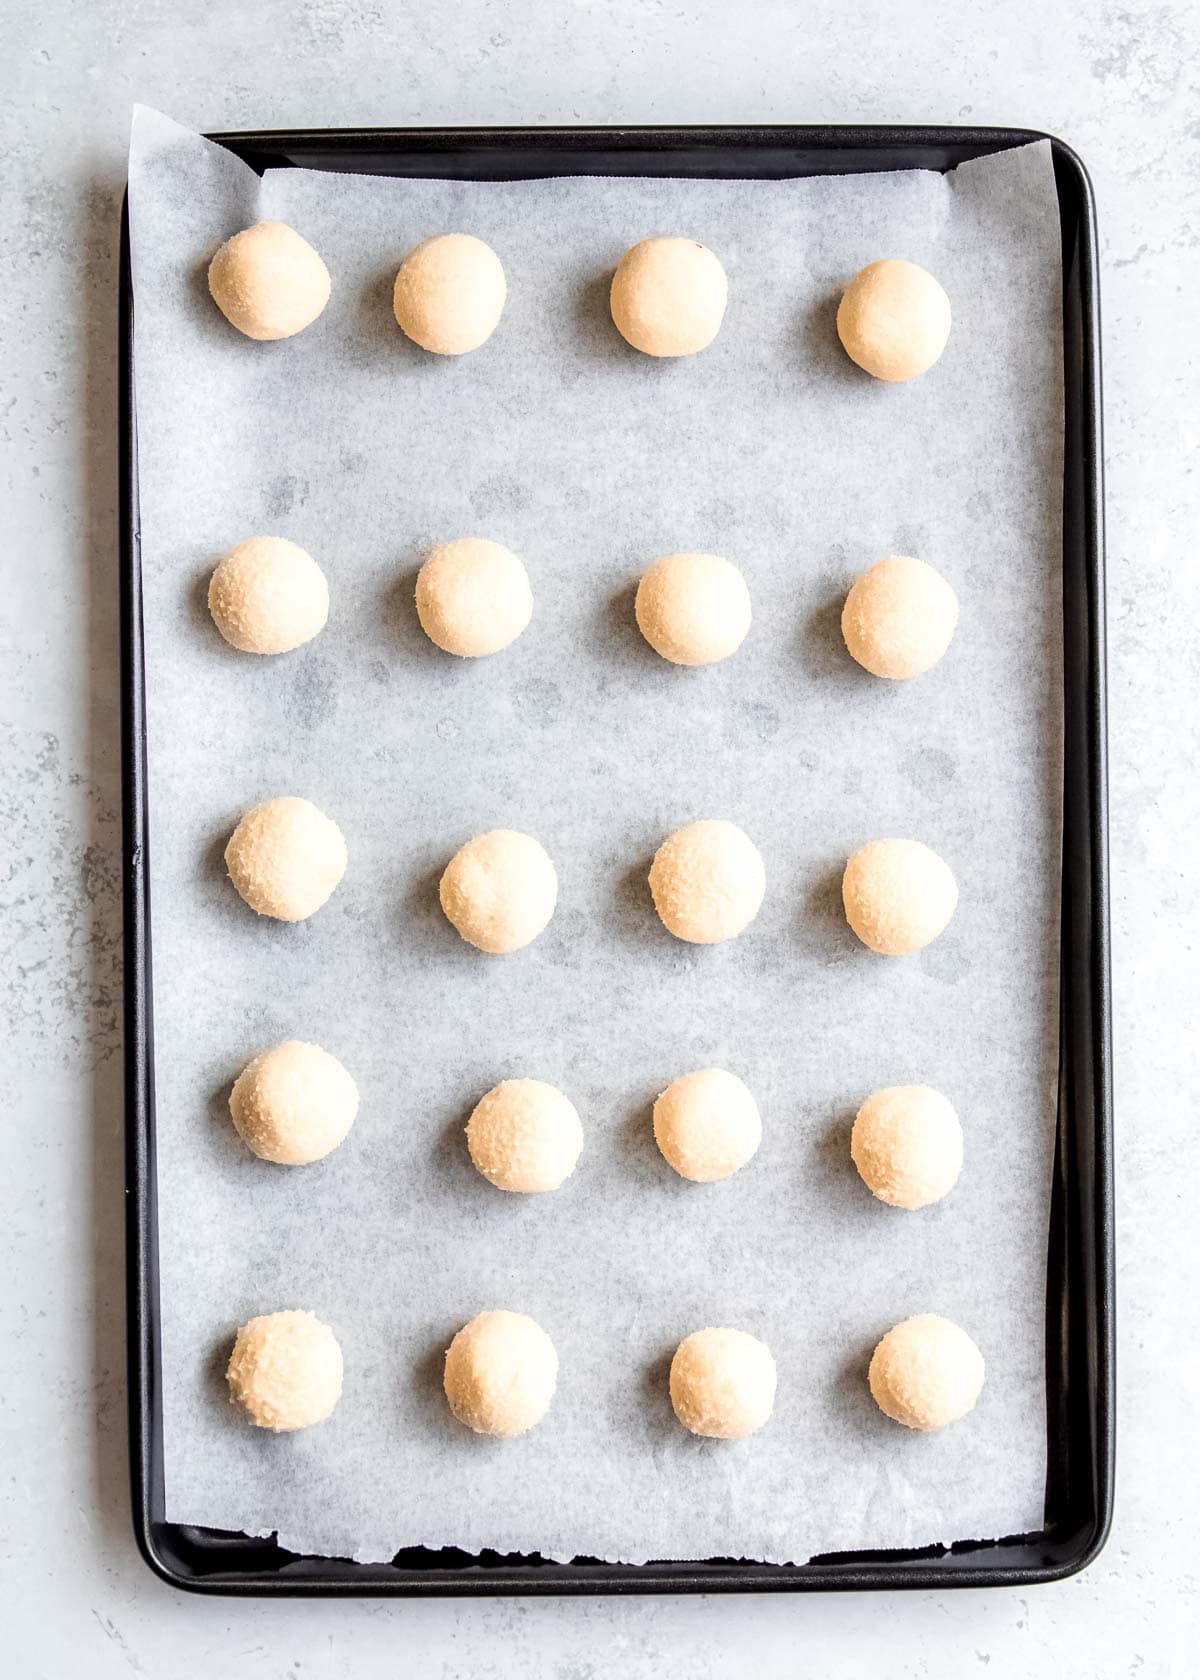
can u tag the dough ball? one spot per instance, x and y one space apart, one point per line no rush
501 1372
499 890
285 1370
899 617
693 608
449 293
926 1372
898 895
707 881
285 858
722 1383
668 296
524 1135
907 1145
707 1125
894 319
268 596
293 1104
473 597
268 282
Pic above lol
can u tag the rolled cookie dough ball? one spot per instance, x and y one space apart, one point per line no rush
449 293
899 617
524 1135
668 296
926 1372
894 319
722 1383
268 282
694 609
499 890
898 895
707 881
707 1125
268 596
501 1372
285 1370
285 858
907 1145
293 1104
473 597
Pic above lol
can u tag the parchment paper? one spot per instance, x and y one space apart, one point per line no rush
590 460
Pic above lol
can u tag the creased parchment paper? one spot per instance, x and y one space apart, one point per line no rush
589 460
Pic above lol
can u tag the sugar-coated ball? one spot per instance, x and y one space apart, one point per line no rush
268 595
907 1144
293 1104
899 617
707 1125
525 1135
707 881
926 1372
501 1373
473 597
694 609
285 858
285 1370
499 890
668 296
722 1383
449 294
898 895
894 319
268 282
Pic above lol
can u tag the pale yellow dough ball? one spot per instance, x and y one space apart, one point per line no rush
668 296
707 1125
722 1383
473 597
501 1373
907 1144
926 1372
694 609
899 617
898 895
268 595
894 319
449 294
285 1370
525 1135
268 282
499 890
285 858
293 1104
707 881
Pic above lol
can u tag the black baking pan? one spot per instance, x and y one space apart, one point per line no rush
1079 1261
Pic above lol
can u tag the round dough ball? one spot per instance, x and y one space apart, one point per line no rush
268 596
473 597
449 294
524 1135
722 1383
707 881
268 282
926 1372
285 858
707 1125
907 1145
894 319
668 296
899 617
293 1104
501 1372
694 609
499 890
898 895
285 1370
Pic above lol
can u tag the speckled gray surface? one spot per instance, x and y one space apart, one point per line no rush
1117 80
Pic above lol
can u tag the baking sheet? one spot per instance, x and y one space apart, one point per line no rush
590 460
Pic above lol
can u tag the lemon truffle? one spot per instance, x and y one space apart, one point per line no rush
668 296
907 1144
293 1104
501 1372
525 1135
473 597
268 282
899 617
449 294
285 858
898 895
268 595
722 1383
285 1370
707 881
707 1125
694 609
499 890
894 319
926 1372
